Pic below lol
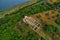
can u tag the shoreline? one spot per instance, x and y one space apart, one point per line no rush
16 8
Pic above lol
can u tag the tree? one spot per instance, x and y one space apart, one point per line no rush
58 21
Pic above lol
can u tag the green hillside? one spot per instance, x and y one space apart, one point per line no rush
12 26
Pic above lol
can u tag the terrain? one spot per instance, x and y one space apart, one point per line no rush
50 25
12 26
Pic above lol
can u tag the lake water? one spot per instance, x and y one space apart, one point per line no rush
9 3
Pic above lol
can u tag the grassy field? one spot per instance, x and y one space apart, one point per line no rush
13 28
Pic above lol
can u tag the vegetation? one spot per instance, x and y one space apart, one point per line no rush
50 28
9 21
57 21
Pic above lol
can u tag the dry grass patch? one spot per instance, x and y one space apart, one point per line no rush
48 17
52 1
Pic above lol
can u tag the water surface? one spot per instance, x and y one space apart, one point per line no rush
9 3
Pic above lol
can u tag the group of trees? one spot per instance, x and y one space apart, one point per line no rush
57 21
50 28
